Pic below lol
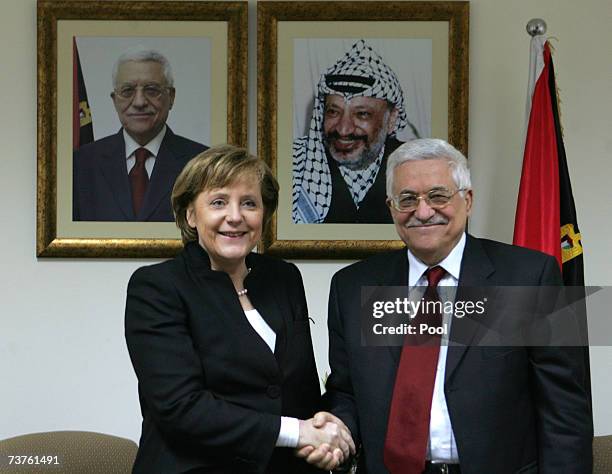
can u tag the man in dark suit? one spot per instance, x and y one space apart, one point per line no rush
452 408
129 176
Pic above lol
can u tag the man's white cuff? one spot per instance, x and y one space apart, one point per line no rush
289 432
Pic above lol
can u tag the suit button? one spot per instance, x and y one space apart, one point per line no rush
273 391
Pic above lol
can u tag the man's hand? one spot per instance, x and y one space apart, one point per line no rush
325 441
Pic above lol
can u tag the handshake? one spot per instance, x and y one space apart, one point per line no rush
324 441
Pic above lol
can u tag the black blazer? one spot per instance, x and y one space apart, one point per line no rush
513 409
101 187
211 391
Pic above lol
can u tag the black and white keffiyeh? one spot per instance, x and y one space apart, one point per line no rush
360 72
360 181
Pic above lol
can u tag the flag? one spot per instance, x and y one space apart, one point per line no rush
82 124
545 213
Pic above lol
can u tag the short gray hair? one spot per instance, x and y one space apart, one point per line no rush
430 149
140 55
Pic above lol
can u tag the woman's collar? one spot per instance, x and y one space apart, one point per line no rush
198 257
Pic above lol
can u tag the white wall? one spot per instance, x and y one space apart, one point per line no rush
63 360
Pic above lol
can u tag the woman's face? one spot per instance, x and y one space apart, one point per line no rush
229 221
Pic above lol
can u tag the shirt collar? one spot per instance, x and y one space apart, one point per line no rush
452 263
153 146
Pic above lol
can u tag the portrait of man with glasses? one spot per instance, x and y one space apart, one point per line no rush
128 176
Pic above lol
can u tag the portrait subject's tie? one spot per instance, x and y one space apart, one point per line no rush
139 179
408 425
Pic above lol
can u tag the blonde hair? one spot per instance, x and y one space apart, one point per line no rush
218 167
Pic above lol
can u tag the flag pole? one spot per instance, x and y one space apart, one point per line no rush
536 27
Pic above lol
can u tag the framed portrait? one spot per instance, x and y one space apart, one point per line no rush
117 79
340 86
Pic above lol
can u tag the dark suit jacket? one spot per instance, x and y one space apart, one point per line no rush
512 409
373 208
211 391
101 187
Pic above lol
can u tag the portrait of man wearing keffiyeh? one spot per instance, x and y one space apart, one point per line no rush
339 166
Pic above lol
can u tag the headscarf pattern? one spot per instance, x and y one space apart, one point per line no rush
361 72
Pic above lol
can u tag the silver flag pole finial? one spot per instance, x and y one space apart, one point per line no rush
536 26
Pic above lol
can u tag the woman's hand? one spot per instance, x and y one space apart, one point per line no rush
325 441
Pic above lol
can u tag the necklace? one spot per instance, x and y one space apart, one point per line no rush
244 291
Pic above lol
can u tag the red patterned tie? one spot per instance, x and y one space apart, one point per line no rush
408 426
139 179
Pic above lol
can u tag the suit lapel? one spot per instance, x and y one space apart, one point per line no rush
397 276
266 302
167 167
114 169
215 282
476 268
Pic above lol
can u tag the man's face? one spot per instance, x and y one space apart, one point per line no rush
142 116
355 131
430 234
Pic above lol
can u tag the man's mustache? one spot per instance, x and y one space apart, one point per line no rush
351 136
436 219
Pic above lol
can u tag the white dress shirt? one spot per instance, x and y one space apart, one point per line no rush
290 427
153 146
441 446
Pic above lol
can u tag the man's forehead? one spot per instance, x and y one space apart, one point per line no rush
359 101
435 172
132 69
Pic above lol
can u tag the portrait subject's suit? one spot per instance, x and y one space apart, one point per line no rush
211 390
101 186
512 409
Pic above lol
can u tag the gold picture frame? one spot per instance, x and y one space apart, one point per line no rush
281 27
223 24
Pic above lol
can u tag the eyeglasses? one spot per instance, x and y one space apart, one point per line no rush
437 198
150 91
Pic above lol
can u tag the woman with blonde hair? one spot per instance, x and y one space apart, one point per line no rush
219 336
